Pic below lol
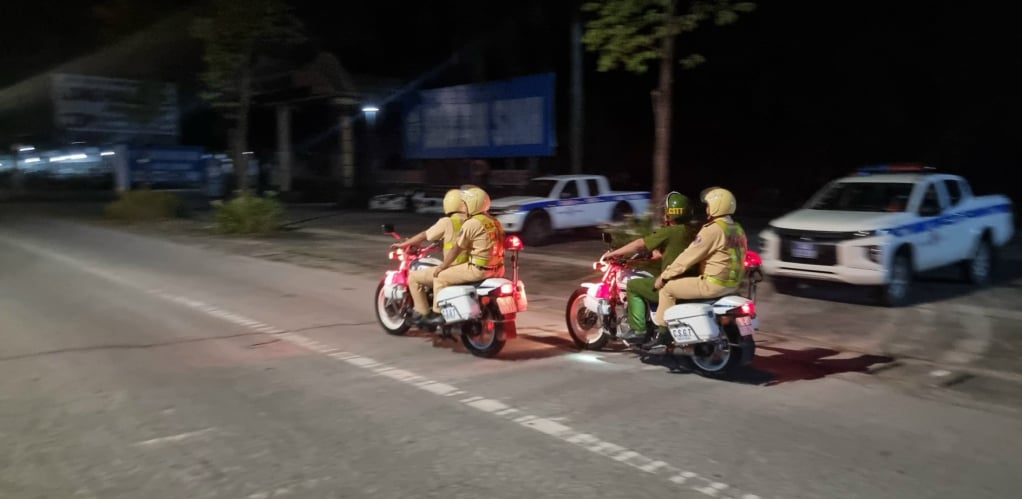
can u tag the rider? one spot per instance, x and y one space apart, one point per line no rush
481 239
446 228
666 243
719 250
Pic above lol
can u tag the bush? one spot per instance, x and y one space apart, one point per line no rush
143 206
249 214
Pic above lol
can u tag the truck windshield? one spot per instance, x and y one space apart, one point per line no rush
863 196
538 188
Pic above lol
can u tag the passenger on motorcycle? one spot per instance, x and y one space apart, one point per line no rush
446 229
481 240
719 251
666 243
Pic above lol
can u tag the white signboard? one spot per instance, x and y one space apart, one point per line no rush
111 105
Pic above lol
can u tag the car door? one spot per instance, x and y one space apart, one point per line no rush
596 210
930 231
567 205
958 242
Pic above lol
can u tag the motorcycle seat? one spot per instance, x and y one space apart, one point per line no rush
708 301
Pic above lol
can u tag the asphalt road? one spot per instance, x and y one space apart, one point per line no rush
134 367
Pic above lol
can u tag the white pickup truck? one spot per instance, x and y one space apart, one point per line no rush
884 224
558 202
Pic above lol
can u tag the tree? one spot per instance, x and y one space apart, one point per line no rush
631 34
233 35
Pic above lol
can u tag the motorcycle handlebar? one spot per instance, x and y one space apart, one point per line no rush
617 260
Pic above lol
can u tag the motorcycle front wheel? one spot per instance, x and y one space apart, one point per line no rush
391 313
584 325
480 340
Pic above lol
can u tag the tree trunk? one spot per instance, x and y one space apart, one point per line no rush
241 135
576 88
284 155
662 106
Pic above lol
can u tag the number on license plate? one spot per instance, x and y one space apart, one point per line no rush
745 326
449 313
803 250
682 333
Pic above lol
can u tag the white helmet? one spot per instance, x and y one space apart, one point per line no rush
719 201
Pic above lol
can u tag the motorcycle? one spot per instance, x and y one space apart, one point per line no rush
483 314
717 334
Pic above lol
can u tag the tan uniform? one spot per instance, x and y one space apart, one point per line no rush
446 228
482 237
719 250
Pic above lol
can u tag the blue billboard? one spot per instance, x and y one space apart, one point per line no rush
501 119
172 167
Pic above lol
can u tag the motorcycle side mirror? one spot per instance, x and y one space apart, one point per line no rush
606 237
387 228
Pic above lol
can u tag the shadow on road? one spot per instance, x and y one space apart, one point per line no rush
784 367
803 365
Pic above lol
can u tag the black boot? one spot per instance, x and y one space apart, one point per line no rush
660 341
433 319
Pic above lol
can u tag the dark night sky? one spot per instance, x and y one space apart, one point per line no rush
801 90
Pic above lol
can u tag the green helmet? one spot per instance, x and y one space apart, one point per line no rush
676 208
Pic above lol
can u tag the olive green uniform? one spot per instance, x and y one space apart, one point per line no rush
671 240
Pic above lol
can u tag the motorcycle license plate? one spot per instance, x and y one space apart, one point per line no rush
450 313
683 334
745 326
507 305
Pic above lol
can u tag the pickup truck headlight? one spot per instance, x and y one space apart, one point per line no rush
872 233
506 211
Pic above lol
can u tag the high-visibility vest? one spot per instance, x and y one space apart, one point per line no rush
449 244
496 234
736 245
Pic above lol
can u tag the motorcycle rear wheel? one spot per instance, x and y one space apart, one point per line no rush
391 315
581 323
723 359
487 348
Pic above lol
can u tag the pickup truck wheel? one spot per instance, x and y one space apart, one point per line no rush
895 292
536 230
979 269
620 212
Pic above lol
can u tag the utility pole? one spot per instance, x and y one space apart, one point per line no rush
577 97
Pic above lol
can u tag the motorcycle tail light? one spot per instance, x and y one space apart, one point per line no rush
513 243
507 289
752 259
748 308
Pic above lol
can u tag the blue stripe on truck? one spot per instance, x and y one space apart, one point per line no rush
951 218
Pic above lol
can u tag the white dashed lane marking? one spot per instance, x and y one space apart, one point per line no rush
546 426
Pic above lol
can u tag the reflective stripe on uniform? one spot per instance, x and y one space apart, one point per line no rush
736 252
